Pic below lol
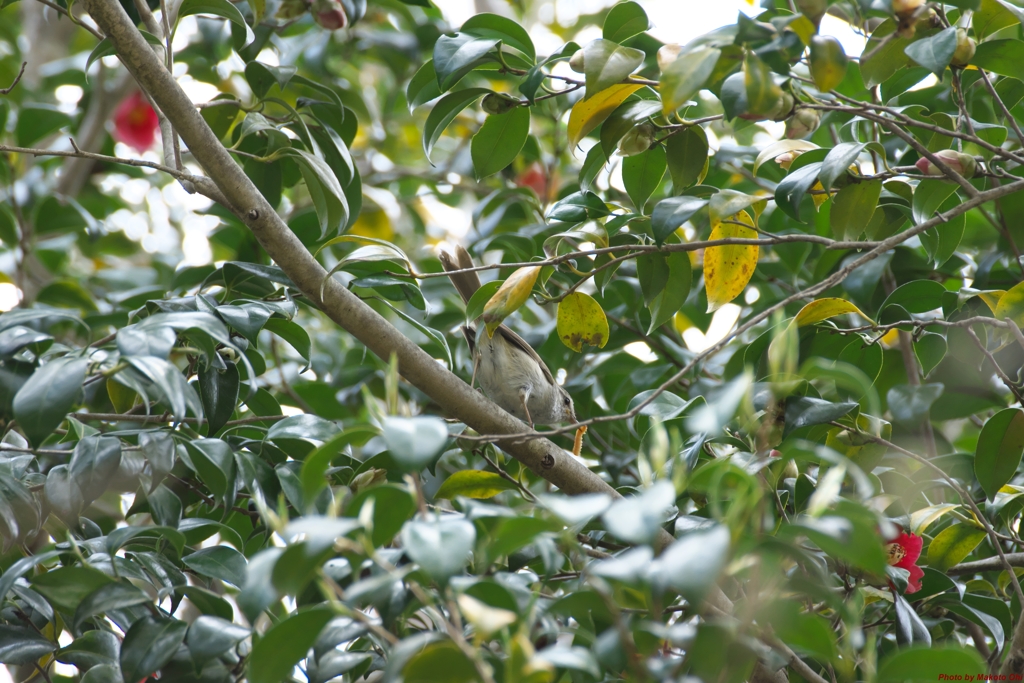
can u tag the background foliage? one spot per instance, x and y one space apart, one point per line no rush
202 478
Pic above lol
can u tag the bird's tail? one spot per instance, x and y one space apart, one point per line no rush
465 283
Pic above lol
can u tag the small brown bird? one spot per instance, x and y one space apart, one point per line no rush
510 372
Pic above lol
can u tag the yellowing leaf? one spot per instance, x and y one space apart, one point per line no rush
890 338
373 224
588 114
513 293
818 195
823 309
581 320
992 298
473 484
728 268
681 322
1011 304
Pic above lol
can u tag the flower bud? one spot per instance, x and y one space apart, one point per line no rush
905 7
576 62
637 141
535 178
812 9
783 107
964 48
499 103
786 159
964 164
668 54
329 14
802 123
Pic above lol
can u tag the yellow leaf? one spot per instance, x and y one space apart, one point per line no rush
590 113
1011 304
373 224
681 322
819 196
823 309
992 298
728 268
513 293
890 338
581 320
473 484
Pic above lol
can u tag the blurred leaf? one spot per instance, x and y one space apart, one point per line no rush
625 20
999 450
284 644
150 644
473 484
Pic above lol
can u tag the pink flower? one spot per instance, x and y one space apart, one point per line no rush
135 122
964 164
903 552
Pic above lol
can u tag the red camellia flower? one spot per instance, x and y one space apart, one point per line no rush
903 552
135 122
534 177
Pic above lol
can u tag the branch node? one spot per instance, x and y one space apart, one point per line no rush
74 145
548 461
253 214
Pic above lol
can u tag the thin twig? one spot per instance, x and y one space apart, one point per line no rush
8 89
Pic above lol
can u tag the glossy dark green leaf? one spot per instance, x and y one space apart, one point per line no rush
215 464
670 214
219 8
21 645
909 628
625 20
578 207
261 77
499 141
455 56
219 393
607 63
150 644
676 290
280 649
209 637
934 52
109 597
918 296
218 562
510 33
48 395
999 450
91 649
852 209
806 411
791 191
928 196
687 155
641 175
910 404
445 111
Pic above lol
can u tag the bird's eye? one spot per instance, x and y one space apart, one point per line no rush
566 400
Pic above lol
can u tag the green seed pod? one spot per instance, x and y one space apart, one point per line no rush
576 62
637 141
499 103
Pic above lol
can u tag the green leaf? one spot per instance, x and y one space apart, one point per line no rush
934 52
441 546
499 141
639 518
423 86
921 664
790 192
414 442
953 544
19 645
918 296
606 63
441 662
209 637
218 562
149 645
686 76
261 77
510 33
219 8
999 450
1004 57
886 54
624 21
838 161
444 112
929 196
641 175
105 48
761 90
691 565
455 56
910 404
942 241
687 156
49 394
316 463
536 75
218 391
280 649
112 596
676 291
578 207
473 484
215 464
852 209
670 214
992 16
93 648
